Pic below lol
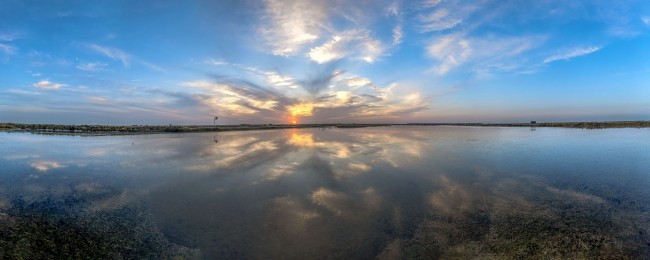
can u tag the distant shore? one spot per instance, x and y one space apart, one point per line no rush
587 125
153 129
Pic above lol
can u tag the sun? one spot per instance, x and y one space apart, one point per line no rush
294 122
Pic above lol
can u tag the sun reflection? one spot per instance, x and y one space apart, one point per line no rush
305 140
354 155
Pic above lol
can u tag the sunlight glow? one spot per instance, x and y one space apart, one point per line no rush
301 109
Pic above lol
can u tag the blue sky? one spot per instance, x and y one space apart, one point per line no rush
313 61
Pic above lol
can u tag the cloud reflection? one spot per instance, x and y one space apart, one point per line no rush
354 193
44 166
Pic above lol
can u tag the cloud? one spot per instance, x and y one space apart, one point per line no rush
23 92
152 66
451 51
646 20
439 20
7 37
47 85
572 54
321 80
7 49
91 66
483 54
112 53
331 95
215 62
274 79
331 50
98 100
435 16
122 56
38 59
277 79
290 25
393 9
398 34
431 3
353 43
235 99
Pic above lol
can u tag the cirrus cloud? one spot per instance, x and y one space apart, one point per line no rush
290 25
576 52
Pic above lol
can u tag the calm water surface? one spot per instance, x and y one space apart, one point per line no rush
387 192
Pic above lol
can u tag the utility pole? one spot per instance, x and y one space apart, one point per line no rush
215 121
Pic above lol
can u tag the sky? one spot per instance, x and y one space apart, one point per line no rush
320 61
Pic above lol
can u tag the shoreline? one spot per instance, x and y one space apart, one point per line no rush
103 130
100 130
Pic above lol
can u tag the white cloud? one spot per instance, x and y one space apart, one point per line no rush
23 92
290 25
215 62
276 79
439 20
646 20
572 54
273 78
352 43
484 54
7 49
7 37
371 49
48 85
112 53
398 34
393 9
431 3
331 50
152 66
451 51
122 56
91 66
347 96
226 98
356 81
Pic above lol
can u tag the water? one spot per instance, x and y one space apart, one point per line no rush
387 192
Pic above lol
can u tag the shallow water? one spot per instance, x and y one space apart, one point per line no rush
387 192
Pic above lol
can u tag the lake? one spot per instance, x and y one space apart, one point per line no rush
378 192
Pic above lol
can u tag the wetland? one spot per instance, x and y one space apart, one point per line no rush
388 192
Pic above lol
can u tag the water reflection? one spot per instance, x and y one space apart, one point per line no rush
389 192
45 166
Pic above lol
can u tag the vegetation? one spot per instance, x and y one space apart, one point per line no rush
105 129
60 229
134 129
588 125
